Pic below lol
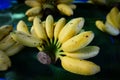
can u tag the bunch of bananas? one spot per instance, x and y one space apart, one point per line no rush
8 47
41 7
61 40
112 23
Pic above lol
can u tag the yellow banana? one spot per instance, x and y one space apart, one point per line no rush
32 3
6 42
39 29
111 30
33 33
14 49
5 62
77 42
100 25
70 29
26 39
5 30
83 53
65 9
59 25
49 26
21 26
33 11
77 66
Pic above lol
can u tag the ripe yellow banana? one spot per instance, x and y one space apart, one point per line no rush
32 3
14 49
59 25
26 39
49 26
79 41
65 9
5 30
111 30
33 33
21 26
83 53
39 29
100 25
6 42
77 66
5 62
33 11
72 28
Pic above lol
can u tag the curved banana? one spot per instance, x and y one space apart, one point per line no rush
5 30
32 3
59 25
83 53
77 66
72 28
17 47
26 39
5 62
77 42
100 25
39 29
6 42
21 26
65 9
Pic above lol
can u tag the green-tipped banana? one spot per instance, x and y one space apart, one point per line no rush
79 41
26 39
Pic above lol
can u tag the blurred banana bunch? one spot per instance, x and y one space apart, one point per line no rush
112 22
42 7
61 40
8 47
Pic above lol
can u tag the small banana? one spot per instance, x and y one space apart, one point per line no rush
5 62
39 29
32 3
26 39
33 11
78 41
65 9
33 33
77 66
21 26
100 25
49 26
17 47
72 28
6 42
5 30
59 25
83 53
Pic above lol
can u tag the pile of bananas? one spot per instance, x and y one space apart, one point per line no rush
60 40
8 47
112 23
41 7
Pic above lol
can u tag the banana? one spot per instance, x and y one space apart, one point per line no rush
73 6
70 29
49 26
14 49
83 53
65 9
77 66
5 30
26 39
118 19
6 42
32 3
111 30
39 29
33 33
21 26
5 62
33 11
77 42
59 25
100 25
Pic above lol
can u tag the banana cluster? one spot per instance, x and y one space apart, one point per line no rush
8 47
112 23
41 7
60 40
